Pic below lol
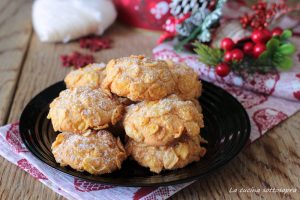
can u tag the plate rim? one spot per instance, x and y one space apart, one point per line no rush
130 184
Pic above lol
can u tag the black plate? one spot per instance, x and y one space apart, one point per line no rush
227 129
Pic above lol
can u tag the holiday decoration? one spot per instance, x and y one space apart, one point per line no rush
192 20
260 36
170 27
263 14
277 31
227 44
222 69
237 55
270 80
260 53
229 29
147 14
95 43
248 48
76 60
258 49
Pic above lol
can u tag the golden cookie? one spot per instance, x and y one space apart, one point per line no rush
79 109
139 78
177 155
197 104
160 122
97 153
92 75
188 85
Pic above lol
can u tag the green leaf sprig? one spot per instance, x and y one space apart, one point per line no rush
279 52
207 55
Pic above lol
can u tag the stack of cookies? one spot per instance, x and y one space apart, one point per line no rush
154 100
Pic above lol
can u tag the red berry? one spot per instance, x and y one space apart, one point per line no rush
277 31
228 56
267 35
227 44
222 69
237 55
259 49
259 36
248 48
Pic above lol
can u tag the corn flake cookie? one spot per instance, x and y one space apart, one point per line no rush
139 78
188 85
159 122
97 153
79 109
186 150
92 76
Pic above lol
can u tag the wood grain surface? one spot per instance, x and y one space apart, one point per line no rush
28 66
15 32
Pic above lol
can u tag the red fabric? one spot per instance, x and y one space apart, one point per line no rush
147 14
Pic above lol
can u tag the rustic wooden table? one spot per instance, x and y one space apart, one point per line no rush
27 66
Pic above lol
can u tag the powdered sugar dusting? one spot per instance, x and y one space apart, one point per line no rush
97 152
